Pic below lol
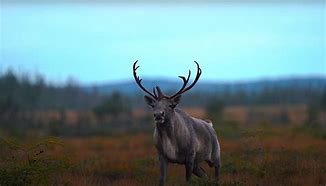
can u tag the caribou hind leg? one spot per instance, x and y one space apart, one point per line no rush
216 164
210 163
217 172
199 171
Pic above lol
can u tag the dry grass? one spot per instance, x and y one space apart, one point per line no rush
277 158
295 114
251 155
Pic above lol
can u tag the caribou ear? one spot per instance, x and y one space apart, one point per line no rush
150 101
176 100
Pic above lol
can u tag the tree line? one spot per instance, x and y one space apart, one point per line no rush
105 114
21 93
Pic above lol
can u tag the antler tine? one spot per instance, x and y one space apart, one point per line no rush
184 88
138 81
154 92
185 82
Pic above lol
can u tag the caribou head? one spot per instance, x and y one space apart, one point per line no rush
163 105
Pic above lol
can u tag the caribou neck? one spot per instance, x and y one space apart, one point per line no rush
168 126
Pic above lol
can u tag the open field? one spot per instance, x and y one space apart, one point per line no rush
262 145
276 114
257 155
74 109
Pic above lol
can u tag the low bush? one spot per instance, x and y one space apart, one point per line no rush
30 163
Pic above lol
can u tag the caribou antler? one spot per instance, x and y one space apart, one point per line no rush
160 94
138 81
185 82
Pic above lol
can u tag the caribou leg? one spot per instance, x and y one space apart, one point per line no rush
163 168
217 172
189 168
199 171
189 164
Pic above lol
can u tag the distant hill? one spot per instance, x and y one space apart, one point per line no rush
129 88
19 93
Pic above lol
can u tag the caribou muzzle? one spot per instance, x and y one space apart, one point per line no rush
159 117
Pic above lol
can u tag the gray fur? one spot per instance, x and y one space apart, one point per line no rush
183 139
180 138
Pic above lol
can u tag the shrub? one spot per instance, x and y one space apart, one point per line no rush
114 106
30 164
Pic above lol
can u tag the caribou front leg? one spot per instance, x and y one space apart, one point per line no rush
189 169
163 168
189 166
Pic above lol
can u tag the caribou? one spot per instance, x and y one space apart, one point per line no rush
178 137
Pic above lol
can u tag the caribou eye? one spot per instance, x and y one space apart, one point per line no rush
171 106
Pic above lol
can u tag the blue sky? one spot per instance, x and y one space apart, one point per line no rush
95 43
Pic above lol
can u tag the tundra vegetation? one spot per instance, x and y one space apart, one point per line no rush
62 135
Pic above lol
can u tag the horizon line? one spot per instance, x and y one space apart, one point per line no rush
248 80
32 76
